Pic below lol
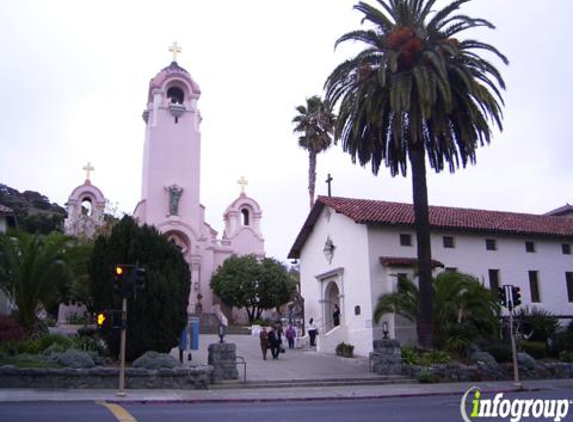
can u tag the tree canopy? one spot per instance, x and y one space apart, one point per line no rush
157 314
245 282
315 124
416 92
464 308
33 211
33 270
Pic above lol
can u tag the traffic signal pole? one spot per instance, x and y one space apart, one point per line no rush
510 297
121 391
516 381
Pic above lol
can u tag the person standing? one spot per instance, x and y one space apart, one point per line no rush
264 338
336 315
290 335
312 332
280 333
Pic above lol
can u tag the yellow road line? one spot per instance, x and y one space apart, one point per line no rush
119 412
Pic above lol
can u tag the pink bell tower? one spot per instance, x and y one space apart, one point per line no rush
170 198
172 150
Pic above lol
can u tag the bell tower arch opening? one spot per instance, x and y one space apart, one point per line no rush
175 95
87 206
245 217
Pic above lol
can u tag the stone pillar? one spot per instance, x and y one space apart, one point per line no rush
386 359
222 357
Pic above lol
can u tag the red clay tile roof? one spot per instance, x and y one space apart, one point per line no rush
395 261
564 210
366 211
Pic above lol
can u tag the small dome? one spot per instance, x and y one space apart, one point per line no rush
172 71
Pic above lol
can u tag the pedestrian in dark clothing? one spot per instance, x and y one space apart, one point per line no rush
274 343
264 337
290 335
336 316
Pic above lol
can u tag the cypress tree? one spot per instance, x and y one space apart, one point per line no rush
158 313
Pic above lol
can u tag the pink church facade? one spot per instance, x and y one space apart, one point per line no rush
170 198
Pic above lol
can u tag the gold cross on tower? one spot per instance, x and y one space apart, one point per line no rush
88 168
242 182
174 48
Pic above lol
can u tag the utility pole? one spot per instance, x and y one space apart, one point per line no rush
128 280
510 297
121 391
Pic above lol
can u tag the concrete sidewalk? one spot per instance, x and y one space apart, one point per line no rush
295 364
277 379
276 394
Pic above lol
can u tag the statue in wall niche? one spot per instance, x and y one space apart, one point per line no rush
175 193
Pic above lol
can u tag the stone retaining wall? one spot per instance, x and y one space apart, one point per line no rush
198 377
483 372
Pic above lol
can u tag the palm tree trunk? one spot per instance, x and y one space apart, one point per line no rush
422 224
311 175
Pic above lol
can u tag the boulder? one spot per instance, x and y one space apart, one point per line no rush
155 360
525 360
484 358
53 348
73 358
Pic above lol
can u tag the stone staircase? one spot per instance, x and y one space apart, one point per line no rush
380 380
209 324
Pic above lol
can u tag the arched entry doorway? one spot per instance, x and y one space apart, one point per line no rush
331 298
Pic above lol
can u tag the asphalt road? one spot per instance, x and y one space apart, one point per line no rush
391 409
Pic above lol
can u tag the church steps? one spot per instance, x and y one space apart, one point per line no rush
381 380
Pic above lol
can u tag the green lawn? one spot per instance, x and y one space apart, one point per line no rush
28 361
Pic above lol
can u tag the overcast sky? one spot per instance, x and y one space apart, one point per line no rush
75 74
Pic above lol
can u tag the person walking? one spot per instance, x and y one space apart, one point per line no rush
312 332
290 335
274 343
264 338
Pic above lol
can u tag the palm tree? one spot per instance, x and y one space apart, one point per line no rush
414 93
460 300
32 271
315 122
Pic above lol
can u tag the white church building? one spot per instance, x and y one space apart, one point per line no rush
351 251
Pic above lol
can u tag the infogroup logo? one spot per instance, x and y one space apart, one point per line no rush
513 409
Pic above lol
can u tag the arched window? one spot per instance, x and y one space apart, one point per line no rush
87 207
245 214
175 95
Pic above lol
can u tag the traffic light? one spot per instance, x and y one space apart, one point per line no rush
139 278
104 320
129 279
516 296
501 296
108 319
120 275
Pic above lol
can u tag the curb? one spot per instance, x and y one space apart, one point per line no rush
316 398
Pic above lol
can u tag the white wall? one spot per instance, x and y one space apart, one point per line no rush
470 256
351 254
359 247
